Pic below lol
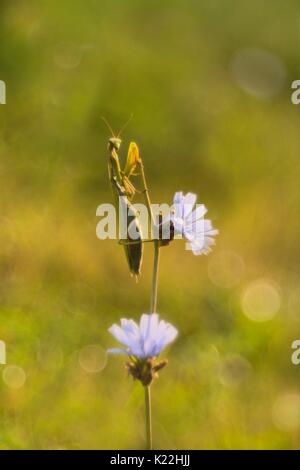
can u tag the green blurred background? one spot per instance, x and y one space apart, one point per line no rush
208 84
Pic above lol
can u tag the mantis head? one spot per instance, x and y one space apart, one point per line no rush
114 143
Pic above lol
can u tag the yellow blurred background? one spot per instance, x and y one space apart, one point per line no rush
209 86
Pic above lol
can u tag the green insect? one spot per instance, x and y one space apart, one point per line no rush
124 192
133 246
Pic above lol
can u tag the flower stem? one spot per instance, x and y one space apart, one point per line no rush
153 310
153 306
148 417
155 277
156 244
147 197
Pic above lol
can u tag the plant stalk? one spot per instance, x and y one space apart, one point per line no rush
155 277
148 418
153 306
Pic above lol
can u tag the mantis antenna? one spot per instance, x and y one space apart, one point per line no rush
108 126
125 125
122 128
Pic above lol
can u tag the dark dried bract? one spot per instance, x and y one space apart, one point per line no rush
145 370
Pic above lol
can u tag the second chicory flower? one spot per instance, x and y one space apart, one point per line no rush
143 342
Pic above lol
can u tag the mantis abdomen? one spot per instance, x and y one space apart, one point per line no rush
130 229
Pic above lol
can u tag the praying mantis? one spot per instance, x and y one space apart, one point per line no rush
124 192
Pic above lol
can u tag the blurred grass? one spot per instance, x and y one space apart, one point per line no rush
169 64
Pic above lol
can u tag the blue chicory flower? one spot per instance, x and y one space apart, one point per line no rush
145 340
190 223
